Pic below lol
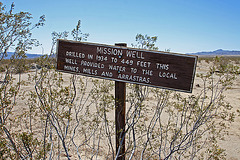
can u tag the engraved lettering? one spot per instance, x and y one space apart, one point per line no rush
90 71
128 62
114 60
109 51
167 75
71 61
101 58
70 68
75 54
134 78
162 66
117 68
147 72
90 56
107 74
92 64
143 64
134 54
133 70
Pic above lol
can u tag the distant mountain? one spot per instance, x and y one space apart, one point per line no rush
29 56
217 52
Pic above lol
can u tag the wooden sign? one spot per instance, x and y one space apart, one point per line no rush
144 67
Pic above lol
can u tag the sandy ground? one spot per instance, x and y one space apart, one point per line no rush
232 141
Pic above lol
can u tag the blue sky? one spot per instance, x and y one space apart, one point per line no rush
183 26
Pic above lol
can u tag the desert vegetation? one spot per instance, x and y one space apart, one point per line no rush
46 114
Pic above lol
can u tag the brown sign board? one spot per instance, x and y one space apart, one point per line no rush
152 68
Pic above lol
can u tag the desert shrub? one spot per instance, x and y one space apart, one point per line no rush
77 123
15 33
70 116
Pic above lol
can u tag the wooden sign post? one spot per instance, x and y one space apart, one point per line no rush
121 64
120 107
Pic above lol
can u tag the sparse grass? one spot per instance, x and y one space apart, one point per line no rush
22 65
208 59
